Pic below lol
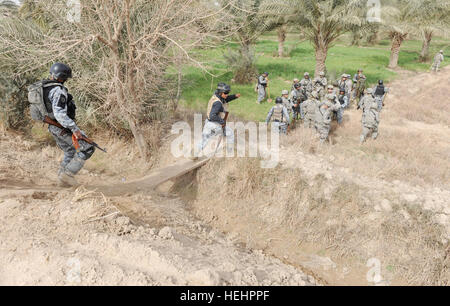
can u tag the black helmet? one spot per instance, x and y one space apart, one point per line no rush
266 73
61 71
380 82
297 85
278 100
223 88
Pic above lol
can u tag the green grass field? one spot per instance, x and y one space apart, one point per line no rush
199 85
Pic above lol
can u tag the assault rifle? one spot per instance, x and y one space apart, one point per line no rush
75 140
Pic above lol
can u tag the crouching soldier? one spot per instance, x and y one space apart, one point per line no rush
323 116
370 117
215 119
61 113
279 115
310 107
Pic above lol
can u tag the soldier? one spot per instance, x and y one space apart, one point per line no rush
263 81
380 93
438 59
319 85
370 117
342 83
63 109
297 99
323 117
306 84
349 87
343 101
338 112
359 81
286 102
295 81
310 107
215 124
279 115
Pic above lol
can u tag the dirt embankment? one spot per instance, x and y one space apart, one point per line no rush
55 236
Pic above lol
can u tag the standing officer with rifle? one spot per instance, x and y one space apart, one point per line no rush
52 104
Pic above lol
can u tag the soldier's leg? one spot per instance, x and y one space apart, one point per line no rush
302 112
209 130
365 133
261 93
340 115
375 132
324 130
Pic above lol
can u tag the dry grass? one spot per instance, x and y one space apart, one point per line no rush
338 217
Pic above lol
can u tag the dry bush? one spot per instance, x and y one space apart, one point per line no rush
122 53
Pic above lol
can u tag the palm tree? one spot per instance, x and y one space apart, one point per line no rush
431 18
322 21
250 25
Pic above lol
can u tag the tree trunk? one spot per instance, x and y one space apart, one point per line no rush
424 54
397 40
281 39
321 57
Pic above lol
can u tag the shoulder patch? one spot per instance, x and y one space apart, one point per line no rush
62 101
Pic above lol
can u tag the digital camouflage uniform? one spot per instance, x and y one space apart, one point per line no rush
370 117
438 59
310 107
307 85
323 117
64 112
262 84
297 97
360 85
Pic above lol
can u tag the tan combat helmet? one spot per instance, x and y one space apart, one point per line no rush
369 91
296 80
330 87
284 92
322 73
442 51
306 74
344 75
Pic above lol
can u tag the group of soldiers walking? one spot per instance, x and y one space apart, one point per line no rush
317 103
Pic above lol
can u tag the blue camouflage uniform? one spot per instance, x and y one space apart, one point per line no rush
64 111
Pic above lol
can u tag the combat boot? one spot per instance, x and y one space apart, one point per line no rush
67 180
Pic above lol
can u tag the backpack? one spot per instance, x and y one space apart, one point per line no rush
39 108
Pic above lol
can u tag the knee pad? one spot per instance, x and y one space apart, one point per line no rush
75 165
86 154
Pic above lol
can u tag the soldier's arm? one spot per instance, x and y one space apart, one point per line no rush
230 98
286 115
59 100
215 110
262 81
269 115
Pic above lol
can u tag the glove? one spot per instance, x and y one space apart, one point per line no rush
78 134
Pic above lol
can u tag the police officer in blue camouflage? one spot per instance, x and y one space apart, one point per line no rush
63 108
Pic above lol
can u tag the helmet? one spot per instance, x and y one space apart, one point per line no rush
330 96
297 85
442 51
342 90
330 87
285 92
380 82
223 88
322 73
369 91
278 100
266 73
306 74
296 80
344 75
360 70
61 71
